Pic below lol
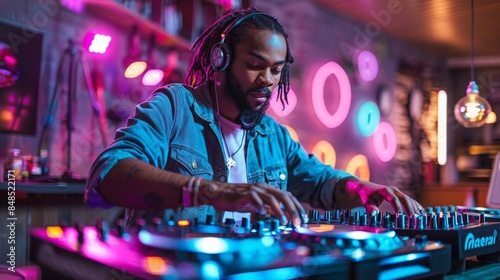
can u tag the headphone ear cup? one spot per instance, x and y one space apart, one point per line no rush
219 56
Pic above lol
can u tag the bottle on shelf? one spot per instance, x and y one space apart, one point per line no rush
26 167
43 162
36 170
13 163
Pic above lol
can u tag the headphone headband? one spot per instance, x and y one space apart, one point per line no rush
220 55
235 23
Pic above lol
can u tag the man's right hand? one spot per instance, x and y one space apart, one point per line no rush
256 198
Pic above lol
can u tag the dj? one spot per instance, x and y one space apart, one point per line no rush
207 147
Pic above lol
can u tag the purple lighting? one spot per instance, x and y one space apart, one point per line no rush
99 43
278 107
73 5
153 77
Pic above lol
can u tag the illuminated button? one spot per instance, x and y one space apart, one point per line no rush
183 223
155 265
282 177
54 231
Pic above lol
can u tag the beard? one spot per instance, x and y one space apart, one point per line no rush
249 117
235 91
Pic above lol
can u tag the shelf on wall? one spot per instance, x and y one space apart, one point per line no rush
121 16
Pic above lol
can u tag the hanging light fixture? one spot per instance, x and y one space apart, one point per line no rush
153 74
133 62
472 110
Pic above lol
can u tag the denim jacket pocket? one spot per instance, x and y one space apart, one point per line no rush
191 163
276 176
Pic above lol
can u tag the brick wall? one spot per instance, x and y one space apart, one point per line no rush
316 36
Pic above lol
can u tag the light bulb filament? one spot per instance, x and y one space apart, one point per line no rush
472 109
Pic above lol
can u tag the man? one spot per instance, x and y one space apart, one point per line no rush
208 144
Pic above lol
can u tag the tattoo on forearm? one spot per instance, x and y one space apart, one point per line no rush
134 171
152 200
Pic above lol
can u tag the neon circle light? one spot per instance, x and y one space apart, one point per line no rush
367 66
359 163
278 107
368 118
384 142
318 87
325 150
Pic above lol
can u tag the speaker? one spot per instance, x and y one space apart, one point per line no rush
493 198
220 55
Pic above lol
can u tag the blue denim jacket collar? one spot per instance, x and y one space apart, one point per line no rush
203 106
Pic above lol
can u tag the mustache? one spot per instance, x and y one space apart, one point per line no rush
267 92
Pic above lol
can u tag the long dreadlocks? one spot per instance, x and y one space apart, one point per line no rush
201 69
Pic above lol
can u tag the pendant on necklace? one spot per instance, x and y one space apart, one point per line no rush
230 162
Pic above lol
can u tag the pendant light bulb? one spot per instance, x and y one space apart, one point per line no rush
472 110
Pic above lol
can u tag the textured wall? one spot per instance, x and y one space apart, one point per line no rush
318 36
59 24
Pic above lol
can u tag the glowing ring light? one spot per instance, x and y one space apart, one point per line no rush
385 151
359 163
278 107
368 118
318 87
367 65
325 150
293 133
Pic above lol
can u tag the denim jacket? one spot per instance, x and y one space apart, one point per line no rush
175 129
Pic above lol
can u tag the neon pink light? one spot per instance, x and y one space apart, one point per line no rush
153 77
10 60
318 87
385 147
73 5
278 107
367 65
99 43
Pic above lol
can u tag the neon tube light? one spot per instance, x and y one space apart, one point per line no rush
384 141
325 152
359 164
442 127
318 88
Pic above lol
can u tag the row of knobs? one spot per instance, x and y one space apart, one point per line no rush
434 219
263 226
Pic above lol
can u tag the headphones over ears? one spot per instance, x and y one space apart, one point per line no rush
220 56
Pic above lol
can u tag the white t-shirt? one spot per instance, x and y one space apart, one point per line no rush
235 138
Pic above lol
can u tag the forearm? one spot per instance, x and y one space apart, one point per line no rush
344 197
136 184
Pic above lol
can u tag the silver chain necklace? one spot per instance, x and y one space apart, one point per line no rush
230 162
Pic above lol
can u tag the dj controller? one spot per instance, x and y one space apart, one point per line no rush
339 244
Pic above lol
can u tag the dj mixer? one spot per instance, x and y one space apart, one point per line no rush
339 244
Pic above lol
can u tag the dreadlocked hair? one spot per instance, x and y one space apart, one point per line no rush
201 69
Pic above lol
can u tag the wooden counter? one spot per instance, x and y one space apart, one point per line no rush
41 205
46 188
470 194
